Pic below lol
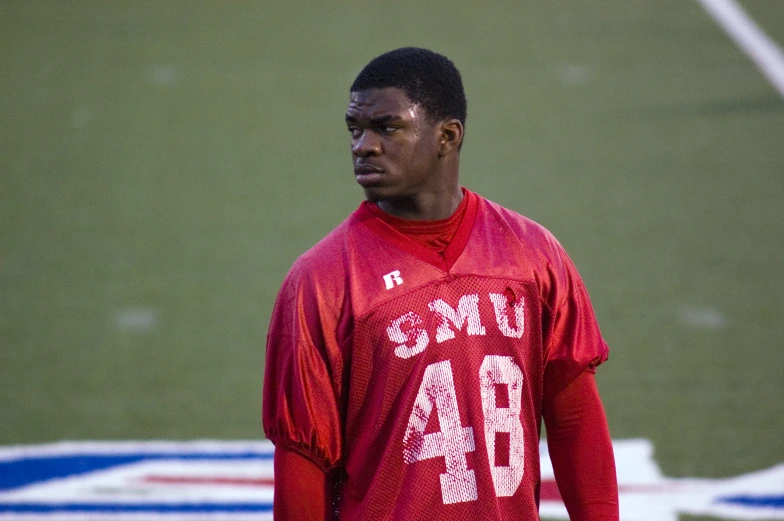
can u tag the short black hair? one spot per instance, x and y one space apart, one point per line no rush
427 78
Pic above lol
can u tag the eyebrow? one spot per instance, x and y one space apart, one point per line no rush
377 121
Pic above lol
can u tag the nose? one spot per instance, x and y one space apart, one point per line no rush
366 145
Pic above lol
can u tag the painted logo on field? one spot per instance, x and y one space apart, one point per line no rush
170 481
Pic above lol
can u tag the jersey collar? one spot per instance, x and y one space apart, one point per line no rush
453 250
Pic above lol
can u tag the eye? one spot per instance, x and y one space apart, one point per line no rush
355 132
389 129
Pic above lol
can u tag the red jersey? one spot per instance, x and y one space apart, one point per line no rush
421 375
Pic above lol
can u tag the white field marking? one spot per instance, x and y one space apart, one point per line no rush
751 39
705 318
136 319
574 74
81 117
645 493
163 74
66 448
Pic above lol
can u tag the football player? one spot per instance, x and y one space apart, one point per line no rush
414 351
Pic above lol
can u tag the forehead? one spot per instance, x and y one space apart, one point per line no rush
372 103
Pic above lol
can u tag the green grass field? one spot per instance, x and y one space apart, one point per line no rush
163 163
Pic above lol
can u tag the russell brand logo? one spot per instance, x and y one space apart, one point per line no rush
393 279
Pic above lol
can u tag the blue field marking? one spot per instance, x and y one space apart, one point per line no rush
26 471
754 501
150 508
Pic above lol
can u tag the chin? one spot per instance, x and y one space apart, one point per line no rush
375 194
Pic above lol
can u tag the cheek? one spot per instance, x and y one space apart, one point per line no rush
426 152
425 146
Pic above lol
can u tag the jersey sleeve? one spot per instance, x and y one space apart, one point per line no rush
302 373
573 343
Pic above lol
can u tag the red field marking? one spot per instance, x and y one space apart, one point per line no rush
209 480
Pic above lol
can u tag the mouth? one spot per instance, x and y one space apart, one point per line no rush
367 175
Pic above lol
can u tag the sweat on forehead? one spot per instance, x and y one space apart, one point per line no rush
427 78
382 105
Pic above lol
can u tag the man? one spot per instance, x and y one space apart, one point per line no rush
414 351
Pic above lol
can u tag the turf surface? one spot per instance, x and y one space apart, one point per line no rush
163 163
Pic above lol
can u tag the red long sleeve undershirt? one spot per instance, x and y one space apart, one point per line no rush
578 440
301 489
577 434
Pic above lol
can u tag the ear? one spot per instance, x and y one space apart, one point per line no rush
451 137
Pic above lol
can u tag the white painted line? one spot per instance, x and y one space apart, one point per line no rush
751 39
81 117
163 74
65 448
703 318
136 319
574 74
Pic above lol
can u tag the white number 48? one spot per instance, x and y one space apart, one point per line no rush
452 441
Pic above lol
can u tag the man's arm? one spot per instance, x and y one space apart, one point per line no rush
300 413
300 489
581 451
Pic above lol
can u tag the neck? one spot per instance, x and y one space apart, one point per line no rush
427 206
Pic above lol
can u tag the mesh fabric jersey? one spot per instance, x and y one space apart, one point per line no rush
419 376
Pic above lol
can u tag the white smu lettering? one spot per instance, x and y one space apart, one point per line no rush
449 317
414 333
500 304
467 309
393 279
